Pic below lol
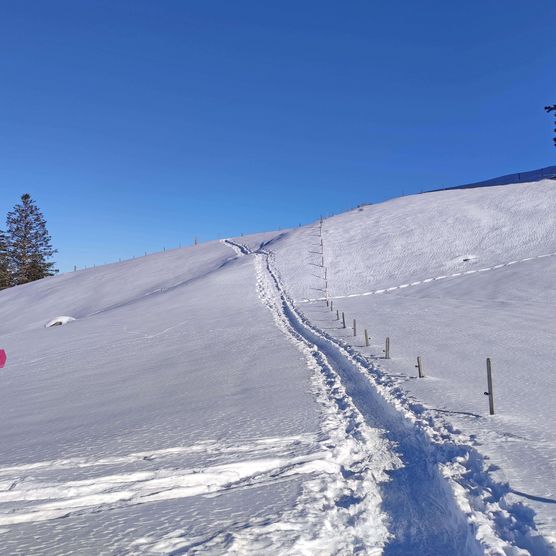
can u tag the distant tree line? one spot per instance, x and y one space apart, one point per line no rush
25 247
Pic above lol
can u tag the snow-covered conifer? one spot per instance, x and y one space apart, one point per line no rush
29 243
5 277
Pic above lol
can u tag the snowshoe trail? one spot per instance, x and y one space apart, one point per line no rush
423 492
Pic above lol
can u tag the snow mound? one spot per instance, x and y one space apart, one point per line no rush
58 321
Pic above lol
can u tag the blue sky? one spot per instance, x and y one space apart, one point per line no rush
138 124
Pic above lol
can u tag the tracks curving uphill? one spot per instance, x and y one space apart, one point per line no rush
434 494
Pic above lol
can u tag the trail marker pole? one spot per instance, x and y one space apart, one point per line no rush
419 367
490 392
331 306
387 349
354 327
343 320
337 314
366 338
327 302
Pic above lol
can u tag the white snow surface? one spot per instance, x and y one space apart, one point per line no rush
59 321
206 400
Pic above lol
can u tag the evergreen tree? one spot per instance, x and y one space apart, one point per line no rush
29 243
5 277
552 109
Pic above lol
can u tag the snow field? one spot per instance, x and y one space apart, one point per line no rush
120 429
194 407
501 307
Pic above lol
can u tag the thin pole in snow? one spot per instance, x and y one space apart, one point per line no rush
419 367
366 338
387 349
354 327
490 392
343 320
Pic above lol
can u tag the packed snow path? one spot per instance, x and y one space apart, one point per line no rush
439 499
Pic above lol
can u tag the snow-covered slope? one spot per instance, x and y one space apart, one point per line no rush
207 400
154 395
454 277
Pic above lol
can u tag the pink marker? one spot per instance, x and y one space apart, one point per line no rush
3 358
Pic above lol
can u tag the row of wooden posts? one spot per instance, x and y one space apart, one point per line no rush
419 366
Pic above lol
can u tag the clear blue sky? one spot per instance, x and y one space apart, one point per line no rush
137 124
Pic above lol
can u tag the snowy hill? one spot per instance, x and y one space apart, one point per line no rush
207 400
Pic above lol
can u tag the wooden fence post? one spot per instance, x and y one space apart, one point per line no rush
331 306
419 367
366 338
343 320
490 392
337 314
354 327
387 349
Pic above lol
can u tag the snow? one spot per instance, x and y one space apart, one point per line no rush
157 364
207 400
58 321
399 270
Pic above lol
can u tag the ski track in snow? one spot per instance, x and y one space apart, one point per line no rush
440 497
338 510
383 476
429 280
28 494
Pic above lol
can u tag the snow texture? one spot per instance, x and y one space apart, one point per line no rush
59 321
207 400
